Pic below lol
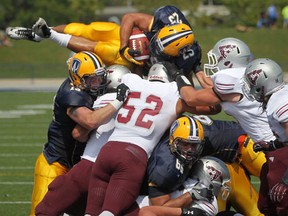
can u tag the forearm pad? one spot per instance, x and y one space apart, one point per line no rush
182 81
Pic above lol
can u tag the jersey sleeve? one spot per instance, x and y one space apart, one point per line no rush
225 84
75 98
281 113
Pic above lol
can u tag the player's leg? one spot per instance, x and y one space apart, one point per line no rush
252 161
243 196
64 192
44 174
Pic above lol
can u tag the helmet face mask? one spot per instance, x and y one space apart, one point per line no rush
262 78
87 73
227 53
186 139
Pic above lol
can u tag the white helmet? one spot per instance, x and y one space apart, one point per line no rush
210 170
227 53
158 72
262 78
114 75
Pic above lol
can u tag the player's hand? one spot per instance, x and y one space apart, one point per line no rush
265 146
200 193
122 92
130 54
172 71
278 192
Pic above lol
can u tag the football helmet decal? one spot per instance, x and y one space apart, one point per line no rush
158 72
210 170
87 72
186 139
227 53
262 78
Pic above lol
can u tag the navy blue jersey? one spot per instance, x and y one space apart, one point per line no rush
61 146
166 174
190 57
221 138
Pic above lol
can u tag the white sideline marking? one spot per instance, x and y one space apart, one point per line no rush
15 168
15 202
20 145
16 183
18 155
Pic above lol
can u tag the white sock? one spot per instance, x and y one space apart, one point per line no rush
106 213
60 38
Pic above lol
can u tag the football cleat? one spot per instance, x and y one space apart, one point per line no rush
41 28
19 33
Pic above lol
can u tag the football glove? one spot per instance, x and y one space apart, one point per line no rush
278 191
122 92
130 54
200 193
267 146
172 71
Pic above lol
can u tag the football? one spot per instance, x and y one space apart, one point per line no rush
139 41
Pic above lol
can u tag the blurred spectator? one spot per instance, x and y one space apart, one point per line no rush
285 16
263 20
4 40
272 16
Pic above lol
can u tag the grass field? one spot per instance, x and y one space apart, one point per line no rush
26 59
24 118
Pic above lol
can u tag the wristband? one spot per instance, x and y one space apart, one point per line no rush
276 144
182 81
121 51
116 104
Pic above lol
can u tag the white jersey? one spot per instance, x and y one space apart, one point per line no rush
209 207
100 135
277 112
149 110
249 114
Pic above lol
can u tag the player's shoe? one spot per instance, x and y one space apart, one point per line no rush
19 33
41 28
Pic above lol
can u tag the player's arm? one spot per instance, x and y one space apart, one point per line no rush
182 106
204 81
91 119
184 200
80 133
131 20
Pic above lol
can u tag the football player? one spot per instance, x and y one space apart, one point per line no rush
68 192
72 105
227 62
208 172
263 82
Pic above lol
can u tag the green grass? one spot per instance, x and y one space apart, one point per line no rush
23 132
26 59
24 118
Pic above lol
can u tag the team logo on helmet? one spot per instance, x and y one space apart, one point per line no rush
75 66
253 76
213 173
225 50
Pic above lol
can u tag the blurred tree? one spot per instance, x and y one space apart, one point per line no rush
26 12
